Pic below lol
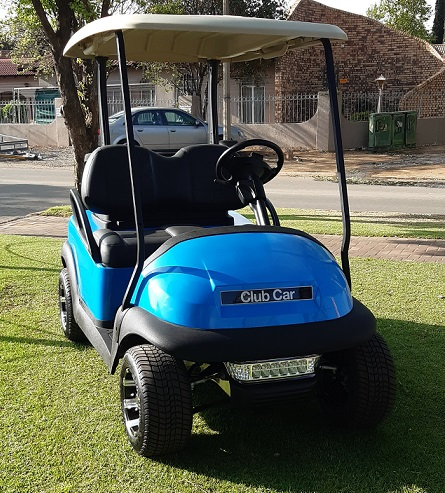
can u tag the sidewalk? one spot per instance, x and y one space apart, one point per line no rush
408 249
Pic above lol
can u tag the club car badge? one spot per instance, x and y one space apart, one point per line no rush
271 295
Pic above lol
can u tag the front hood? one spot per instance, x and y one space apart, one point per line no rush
244 280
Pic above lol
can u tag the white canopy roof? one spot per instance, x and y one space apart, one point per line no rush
193 38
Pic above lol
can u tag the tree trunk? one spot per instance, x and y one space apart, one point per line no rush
81 117
83 129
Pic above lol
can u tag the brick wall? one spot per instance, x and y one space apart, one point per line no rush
427 98
372 49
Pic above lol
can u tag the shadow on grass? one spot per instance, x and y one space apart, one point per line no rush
38 342
13 247
31 269
295 449
48 341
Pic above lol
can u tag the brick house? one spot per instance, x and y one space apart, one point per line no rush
12 76
408 63
16 79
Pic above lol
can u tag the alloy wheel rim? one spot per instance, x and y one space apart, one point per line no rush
130 404
62 306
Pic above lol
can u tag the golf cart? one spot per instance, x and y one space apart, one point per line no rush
162 274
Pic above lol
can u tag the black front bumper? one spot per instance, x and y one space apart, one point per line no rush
253 343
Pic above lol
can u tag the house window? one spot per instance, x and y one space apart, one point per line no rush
252 104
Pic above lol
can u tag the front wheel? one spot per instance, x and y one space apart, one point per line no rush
156 401
356 387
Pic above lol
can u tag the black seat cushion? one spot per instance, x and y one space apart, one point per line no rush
119 248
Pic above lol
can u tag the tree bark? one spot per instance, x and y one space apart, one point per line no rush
81 117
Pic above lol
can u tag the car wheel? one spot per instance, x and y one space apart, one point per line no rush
69 326
356 387
156 401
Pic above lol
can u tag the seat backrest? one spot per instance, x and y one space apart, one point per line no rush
180 189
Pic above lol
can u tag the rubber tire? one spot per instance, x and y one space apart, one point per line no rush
361 393
69 325
156 401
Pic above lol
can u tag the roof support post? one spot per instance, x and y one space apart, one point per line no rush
134 175
213 101
341 173
103 106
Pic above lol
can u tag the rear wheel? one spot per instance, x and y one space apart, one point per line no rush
69 325
357 387
156 401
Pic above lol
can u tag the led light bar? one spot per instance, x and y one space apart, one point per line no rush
256 371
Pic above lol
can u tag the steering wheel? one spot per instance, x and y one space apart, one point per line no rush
231 167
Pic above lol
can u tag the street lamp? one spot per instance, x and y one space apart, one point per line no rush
380 84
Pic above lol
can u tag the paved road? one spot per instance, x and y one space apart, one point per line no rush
306 193
24 190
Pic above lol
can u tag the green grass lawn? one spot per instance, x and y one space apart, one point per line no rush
330 222
363 224
60 424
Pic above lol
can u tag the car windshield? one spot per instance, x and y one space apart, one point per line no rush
115 117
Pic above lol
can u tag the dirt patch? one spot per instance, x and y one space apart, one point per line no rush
55 157
425 165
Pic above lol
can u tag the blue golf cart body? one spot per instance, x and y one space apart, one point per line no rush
161 274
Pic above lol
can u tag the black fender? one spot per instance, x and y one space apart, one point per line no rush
246 344
67 258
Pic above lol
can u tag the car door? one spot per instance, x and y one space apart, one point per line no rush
150 130
184 129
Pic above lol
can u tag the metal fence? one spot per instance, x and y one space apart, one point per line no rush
358 106
44 112
428 104
116 104
293 108
27 111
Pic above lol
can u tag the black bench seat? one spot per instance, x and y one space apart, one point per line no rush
177 193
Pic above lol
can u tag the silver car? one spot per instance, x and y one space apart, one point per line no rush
164 130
